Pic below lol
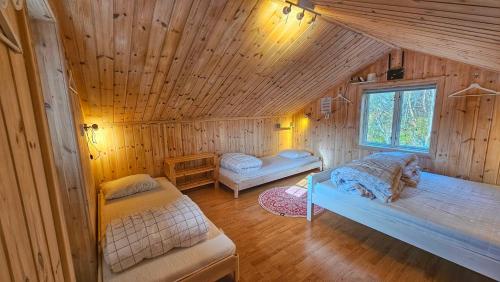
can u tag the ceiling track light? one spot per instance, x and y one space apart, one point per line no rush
300 15
305 6
287 9
313 20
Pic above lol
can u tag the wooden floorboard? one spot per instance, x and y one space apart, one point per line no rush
276 248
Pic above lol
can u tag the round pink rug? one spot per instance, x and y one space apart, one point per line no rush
286 201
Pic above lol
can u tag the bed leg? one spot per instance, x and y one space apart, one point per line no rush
236 193
237 270
310 207
309 204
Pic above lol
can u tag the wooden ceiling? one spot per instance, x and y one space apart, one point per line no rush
462 30
147 60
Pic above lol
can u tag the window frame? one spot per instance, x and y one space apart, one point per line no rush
396 122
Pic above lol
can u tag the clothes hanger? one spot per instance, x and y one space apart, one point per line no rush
488 92
340 96
7 34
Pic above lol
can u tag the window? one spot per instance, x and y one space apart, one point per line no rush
398 118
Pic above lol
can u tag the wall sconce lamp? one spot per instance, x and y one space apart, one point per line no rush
305 5
278 126
93 126
91 138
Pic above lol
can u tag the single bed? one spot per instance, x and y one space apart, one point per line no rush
449 217
273 168
209 260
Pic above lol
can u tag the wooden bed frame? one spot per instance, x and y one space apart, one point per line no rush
213 272
413 234
237 187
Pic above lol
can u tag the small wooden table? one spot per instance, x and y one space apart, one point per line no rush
210 164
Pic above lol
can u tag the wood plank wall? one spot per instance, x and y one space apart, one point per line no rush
64 116
141 148
468 137
29 240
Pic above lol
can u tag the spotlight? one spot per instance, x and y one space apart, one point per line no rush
287 9
313 20
304 5
300 15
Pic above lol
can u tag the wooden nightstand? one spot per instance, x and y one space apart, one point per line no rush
193 176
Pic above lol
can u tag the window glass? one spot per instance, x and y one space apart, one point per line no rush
417 112
380 115
399 118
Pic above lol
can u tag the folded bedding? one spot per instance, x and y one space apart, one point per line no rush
153 232
240 163
400 157
411 174
294 154
379 178
409 163
353 187
380 175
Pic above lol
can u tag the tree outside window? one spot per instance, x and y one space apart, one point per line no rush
398 118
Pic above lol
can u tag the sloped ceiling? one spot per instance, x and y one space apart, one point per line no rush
461 30
147 60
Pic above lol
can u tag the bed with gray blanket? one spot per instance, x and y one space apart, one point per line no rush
449 217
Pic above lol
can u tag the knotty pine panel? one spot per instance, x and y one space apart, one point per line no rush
32 246
468 135
141 148
69 148
466 31
177 60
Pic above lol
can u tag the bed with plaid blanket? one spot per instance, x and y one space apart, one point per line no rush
153 232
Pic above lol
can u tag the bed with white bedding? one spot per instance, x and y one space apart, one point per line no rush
449 217
273 168
208 260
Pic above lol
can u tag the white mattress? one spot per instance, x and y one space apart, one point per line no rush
464 211
177 263
270 165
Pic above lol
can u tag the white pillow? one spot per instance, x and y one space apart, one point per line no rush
240 163
294 154
128 185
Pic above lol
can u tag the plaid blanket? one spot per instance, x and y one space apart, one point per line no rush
408 161
153 232
379 177
400 157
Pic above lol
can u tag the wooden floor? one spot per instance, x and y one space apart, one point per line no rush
276 248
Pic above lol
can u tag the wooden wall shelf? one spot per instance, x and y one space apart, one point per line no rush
210 165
